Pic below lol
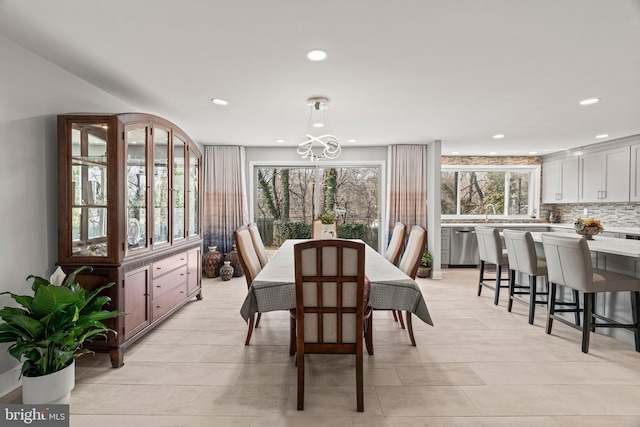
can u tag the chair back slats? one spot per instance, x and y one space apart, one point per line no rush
522 251
247 253
396 244
258 244
489 245
413 252
568 261
329 291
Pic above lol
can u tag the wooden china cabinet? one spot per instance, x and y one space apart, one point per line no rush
129 207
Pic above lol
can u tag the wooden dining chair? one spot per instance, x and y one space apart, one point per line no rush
394 250
410 262
396 243
258 244
569 264
251 266
330 304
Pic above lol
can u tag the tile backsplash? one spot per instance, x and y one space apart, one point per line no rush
614 214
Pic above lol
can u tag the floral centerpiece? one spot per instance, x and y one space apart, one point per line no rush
588 227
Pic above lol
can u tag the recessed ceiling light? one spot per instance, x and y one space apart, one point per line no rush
318 125
533 152
498 136
589 101
279 140
602 135
351 140
219 101
493 153
455 152
317 55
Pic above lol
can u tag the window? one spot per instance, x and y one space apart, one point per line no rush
287 199
471 191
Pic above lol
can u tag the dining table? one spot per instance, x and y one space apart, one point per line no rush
391 289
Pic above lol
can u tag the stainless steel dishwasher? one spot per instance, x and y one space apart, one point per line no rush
464 247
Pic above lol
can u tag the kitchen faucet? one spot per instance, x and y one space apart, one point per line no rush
486 211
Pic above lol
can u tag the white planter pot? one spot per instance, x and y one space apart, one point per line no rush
50 389
328 231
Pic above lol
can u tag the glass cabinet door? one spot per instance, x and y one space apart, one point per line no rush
136 187
89 189
179 194
160 186
194 173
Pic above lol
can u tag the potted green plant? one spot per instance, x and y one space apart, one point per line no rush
424 269
328 217
50 331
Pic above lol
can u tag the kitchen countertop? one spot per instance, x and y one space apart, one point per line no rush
607 245
613 229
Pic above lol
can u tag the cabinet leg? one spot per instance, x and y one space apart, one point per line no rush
117 357
199 296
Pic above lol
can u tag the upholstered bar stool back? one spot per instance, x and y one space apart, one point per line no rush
523 259
569 264
490 251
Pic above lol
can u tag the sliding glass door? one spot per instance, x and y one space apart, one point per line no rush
287 199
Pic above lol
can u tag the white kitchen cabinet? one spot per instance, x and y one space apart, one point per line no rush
604 176
634 195
560 181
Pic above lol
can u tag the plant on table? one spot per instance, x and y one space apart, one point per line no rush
328 217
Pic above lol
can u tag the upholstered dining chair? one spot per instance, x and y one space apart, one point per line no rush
394 250
250 264
330 304
523 259
410 262
258 244
396 244
490 251
318 226
569 264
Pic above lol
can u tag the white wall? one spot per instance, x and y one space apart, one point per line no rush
32 92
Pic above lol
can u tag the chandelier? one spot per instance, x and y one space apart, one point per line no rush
327 146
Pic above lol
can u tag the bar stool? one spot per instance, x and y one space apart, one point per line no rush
523 259
569 264
490 251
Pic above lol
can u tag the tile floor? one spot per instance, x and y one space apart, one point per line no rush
478 366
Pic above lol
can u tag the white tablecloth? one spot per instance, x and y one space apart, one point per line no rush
274 287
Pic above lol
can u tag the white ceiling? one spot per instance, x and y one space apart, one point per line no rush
403 71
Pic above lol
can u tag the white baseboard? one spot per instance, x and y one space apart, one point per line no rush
10 380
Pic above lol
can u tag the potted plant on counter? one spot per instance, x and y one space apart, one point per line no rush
424 269
49 332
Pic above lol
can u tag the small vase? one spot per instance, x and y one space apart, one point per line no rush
226 271
328 231
211 262
233 259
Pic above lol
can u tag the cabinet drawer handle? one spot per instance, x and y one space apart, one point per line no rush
182 292
158 268
158 286
158 306
181 259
